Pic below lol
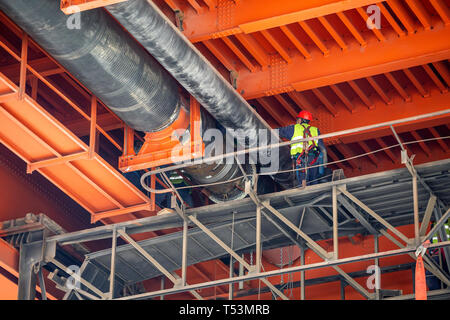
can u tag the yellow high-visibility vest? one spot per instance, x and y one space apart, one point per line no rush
299 133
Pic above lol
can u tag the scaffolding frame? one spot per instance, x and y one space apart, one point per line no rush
43 250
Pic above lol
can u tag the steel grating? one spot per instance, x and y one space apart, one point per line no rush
387 193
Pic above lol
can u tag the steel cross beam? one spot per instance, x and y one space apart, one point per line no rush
428 263
253 276
309 242
174 278
235 255
62 267
374 215
350 65
257 15
427 215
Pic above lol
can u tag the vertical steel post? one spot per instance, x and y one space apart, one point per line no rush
258 238
241 273
231 285
42 284
23 66
93 125
302 274
416 209
113 264
34 87
377 265
335 224
163 284
184 254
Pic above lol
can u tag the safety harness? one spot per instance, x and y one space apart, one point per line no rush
307 148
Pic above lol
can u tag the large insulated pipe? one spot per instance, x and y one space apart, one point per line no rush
145 21
120 73
105 59
185 63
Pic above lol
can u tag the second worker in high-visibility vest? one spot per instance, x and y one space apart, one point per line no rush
306 153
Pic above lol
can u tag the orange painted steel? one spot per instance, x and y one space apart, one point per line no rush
35 136
162 147
393 54
257 15
73 6
9 258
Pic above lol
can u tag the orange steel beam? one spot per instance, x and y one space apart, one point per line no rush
367 150
219 55
378 57
334 157
23 66
399 129
364 98
387 15
315 38
301 101
352 29
383 112
119 212
275 114
443 71
379 90
9 258
34 135
332 31
398 87
276 45
348 104
295 41
56 161
442 9
398 7
365 17
347 153
389 152
92 131
435 78
73 6
423 145
442 144
257 15
421 13
289 107
238 52
44 66
255 49
82 127
425 93
328 105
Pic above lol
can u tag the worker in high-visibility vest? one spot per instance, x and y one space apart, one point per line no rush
306 153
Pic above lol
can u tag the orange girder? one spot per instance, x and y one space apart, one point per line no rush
379 57
161 147
73 6
37 137
256 15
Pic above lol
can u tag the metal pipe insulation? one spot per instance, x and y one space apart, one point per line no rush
102 56
159 36
187 65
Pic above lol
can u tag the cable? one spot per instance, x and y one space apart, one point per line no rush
146 187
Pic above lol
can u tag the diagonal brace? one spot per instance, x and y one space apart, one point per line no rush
374 215
427 215
310 242
235 255
172 277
